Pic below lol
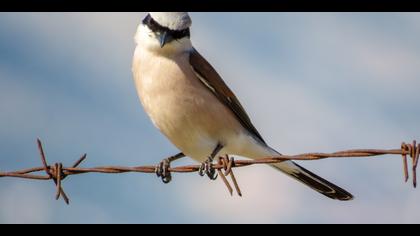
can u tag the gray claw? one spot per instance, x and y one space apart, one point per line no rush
206 168
162 171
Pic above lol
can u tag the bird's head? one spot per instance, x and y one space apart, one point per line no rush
165 30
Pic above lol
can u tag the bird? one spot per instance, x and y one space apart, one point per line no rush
188 101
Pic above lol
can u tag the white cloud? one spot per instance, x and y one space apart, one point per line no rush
382 60
22 203
268 197
94 214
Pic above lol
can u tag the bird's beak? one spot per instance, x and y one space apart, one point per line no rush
163 39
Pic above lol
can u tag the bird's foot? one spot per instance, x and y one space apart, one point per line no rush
162 171
207 168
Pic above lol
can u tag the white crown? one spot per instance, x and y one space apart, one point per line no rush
172 20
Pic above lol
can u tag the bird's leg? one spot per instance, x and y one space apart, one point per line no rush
206 167
162 169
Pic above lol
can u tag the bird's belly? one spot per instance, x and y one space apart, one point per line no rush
188 114
182 119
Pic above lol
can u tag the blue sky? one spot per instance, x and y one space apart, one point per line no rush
309 81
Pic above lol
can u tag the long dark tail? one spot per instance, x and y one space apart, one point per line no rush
313 181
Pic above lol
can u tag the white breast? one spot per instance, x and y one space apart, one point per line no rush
177 103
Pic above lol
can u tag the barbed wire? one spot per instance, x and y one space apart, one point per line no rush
224 166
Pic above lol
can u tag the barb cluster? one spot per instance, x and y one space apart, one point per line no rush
414 151
224 166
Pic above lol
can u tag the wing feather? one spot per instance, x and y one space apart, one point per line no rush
212 80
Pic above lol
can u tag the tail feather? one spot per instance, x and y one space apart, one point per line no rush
257 150
313 181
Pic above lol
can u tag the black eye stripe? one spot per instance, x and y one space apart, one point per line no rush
156 27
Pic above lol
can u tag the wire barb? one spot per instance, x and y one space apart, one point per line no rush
223 176
405 164
224 166
413 150
56 172
227 165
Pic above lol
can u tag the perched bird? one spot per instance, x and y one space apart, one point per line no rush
188 101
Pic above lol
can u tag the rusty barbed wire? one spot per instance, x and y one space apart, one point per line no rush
58 172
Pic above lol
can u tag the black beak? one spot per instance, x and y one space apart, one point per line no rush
163 38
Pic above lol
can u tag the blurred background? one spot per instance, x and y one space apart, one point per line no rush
309 81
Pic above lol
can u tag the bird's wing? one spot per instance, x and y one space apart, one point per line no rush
212 80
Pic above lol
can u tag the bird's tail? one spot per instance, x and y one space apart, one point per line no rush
311 180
